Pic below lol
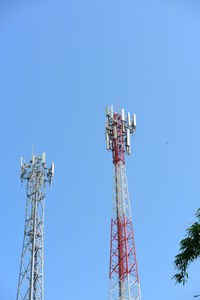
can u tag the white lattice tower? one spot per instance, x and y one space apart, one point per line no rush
36 174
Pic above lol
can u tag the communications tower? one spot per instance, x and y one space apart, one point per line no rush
123 271
36 174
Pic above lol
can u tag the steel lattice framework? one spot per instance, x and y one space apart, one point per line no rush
123 272
36 174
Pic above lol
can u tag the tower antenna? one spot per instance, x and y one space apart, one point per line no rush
32 149
118 105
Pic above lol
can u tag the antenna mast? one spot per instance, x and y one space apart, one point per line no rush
36 174
123 272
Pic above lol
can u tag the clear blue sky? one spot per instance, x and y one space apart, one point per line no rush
61 63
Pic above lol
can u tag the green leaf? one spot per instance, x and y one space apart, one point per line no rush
189 251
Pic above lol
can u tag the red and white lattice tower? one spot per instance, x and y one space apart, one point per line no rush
123 272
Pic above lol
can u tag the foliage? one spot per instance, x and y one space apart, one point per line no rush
189 251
